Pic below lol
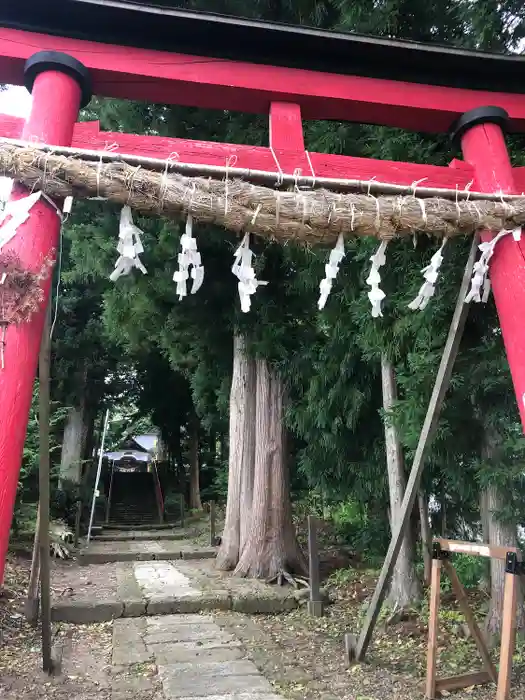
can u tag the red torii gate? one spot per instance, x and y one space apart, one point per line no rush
61 71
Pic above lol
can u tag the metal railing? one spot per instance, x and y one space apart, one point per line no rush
97 479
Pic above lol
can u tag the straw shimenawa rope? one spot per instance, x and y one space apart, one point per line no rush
312 216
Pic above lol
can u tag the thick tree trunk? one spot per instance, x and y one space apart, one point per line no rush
501 533
271 547
426 536
404 587
73 442
241 457
484 515
247 465
484 512
195 490
89 442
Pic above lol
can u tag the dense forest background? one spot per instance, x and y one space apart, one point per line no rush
222 386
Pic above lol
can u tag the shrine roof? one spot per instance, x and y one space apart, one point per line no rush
129 23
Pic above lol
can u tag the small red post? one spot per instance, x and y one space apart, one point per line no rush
483 144
59 85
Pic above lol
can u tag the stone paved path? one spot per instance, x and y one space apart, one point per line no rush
194 659
159 579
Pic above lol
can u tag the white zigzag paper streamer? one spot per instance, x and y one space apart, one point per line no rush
331 270
430 273
15 213
243 270
129 246
480 282
189 257
376 294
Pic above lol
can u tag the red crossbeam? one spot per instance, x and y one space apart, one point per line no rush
288 146
158 76
87 135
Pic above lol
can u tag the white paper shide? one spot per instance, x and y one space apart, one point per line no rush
190 263
376 294
129 247
480 282
430 274
15 213
331 270
243 270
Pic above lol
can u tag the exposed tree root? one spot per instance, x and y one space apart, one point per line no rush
283 577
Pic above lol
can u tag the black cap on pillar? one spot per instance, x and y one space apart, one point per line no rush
54 60
479 115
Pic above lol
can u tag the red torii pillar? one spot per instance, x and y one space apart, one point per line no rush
483 143
60 85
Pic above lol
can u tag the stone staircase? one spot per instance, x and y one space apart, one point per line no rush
133 500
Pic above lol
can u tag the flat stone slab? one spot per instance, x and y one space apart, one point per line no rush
202 634
157 578
128 643
238 696
103 552
87 611
195 654
194 682
160 623
225 669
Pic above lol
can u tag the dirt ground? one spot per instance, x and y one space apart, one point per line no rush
304 655
83 652
301 655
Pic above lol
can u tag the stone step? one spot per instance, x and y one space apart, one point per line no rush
133 517
126 527
90 611
134 520
137 536
109 556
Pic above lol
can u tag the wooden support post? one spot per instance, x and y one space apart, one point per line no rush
84 474
433 623
462 681
315 604
32 600
513 568
441 385
78 518
182 506
508 628
471 621
213 524
43 484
